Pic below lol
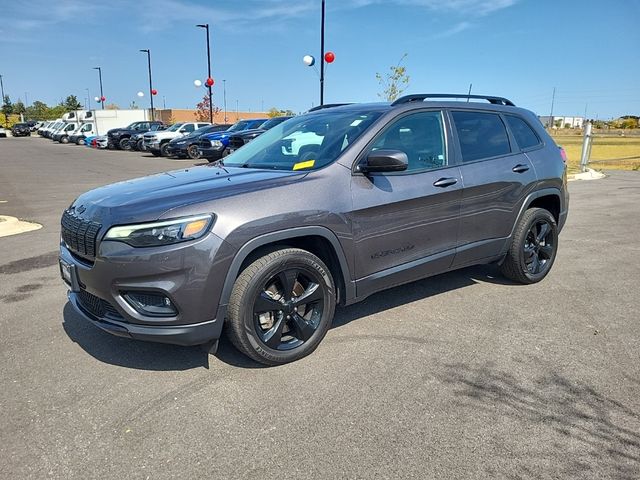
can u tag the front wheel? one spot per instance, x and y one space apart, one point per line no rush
80 141
64 139
533 248
193 152
124 144
281 306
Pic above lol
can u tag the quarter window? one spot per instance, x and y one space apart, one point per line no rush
481 135
523 133
420 136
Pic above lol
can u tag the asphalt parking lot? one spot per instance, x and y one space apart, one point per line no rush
460 376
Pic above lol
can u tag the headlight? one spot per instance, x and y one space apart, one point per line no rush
161 233
216 143
181 143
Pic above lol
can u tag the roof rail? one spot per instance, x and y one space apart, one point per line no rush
327 105
423 96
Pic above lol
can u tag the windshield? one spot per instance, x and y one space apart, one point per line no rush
236 127
175 127
199 131
303 143
273 122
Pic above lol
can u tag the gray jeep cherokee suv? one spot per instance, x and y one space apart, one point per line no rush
323 209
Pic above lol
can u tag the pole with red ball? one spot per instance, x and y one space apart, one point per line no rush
151 89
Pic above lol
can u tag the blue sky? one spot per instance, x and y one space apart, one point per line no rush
589 50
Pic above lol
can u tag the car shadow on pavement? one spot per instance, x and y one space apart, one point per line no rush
420 290
581 433
136 354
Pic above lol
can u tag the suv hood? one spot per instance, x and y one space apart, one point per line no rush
148 198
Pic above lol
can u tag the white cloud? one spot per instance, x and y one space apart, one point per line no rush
457 28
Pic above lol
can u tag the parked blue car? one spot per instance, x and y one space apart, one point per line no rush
212 145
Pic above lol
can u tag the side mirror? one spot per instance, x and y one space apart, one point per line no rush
384 161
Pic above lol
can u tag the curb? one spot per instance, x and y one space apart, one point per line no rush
590 174
14 226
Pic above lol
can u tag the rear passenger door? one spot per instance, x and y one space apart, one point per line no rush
496 178
405 223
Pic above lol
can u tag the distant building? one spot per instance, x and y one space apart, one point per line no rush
562 122
180 115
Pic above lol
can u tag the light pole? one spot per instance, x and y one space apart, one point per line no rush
6 118
209 83
322 56
224 94
148 52
101 92
88 102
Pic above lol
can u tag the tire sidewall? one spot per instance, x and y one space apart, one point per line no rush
539 214
163 149
305 263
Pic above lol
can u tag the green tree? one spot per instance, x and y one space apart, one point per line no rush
7 109
274 112
112 106
38 111
71 103
394 82
19 108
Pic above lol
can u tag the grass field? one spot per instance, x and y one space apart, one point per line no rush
607 152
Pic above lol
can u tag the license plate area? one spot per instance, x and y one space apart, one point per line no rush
69 275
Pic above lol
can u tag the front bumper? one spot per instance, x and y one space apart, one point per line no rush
183 272
211 153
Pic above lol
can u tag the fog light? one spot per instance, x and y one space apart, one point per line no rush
153 304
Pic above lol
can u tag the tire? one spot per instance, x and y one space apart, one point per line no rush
140 145
80 141
281 335
155 153
164 149
64 139
193 152
533 248
123 144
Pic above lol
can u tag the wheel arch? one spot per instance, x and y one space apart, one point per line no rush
320 241
547 198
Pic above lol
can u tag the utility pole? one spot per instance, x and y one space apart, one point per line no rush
6 118
206 26
101 92
224 95
553 99
322 55
87 102
26 100
164 102
148 52
469 94
237 117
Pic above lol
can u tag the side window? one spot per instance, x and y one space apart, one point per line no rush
200 125
523 133
188 128
420 136
86 128
481 135
143 126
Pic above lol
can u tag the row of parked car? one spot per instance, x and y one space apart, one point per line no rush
183 139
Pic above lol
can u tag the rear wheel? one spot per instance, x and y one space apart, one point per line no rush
533 249
140 145
80 141
64 139
164 149
281 306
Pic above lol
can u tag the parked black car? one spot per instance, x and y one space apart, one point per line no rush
119 137
136 142
212 145
237 140
188 146
21 130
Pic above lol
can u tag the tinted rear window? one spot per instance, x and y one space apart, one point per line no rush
481 135
523 133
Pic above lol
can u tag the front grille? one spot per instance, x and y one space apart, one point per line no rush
204 143
79 235
235 142
96 306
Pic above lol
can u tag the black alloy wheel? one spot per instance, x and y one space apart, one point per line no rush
533 247
281 306
287 311
193 152
124 144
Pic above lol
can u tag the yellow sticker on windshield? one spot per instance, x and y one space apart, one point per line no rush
302 165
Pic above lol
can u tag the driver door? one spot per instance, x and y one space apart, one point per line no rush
405 224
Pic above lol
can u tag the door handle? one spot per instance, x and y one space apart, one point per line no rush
445 182
520 168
